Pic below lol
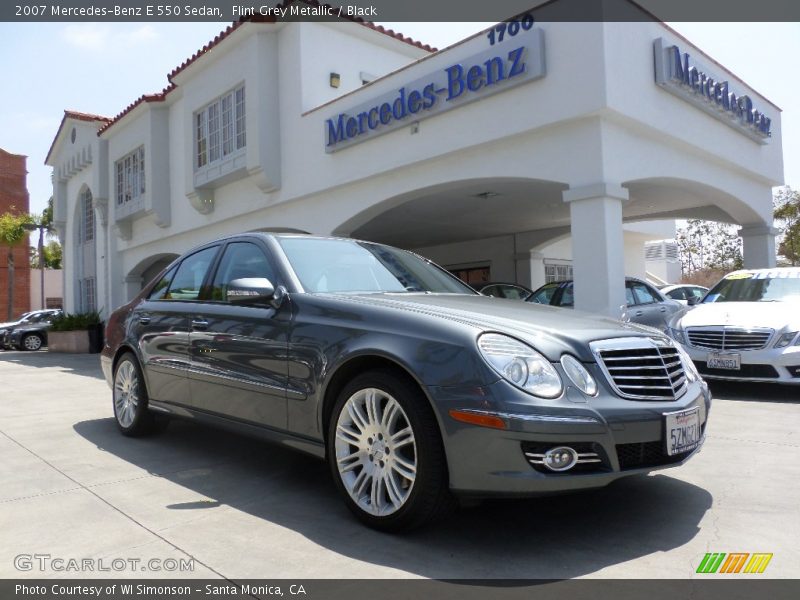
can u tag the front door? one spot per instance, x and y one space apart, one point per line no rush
238 352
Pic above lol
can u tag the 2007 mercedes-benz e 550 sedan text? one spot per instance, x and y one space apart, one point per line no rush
415 388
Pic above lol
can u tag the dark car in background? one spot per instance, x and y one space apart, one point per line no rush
645 304
29 332
413 387
513 291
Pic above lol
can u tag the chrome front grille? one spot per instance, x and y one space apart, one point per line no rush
728 338
642 368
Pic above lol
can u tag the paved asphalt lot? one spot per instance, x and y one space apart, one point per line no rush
72 487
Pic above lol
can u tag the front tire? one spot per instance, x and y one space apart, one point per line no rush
386 455
32 342
130 399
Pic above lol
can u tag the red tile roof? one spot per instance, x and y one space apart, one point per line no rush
161 96
79 116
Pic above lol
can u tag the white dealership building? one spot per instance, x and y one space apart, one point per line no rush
521 159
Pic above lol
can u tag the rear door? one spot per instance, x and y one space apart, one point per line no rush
238 352
160 324
648 307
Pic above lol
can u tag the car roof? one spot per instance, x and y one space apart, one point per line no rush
777 271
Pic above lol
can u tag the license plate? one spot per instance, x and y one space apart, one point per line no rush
729 361
682 431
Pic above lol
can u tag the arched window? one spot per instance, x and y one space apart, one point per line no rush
86 268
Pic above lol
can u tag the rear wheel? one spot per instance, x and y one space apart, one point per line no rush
386 455
130 398
32 341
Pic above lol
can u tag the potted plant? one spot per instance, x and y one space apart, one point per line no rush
78 332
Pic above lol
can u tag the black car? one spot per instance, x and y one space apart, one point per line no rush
645 304
414 388
513 291
29 332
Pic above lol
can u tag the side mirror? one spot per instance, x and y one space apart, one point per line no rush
250 290
693 300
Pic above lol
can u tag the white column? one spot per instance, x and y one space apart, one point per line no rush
536 263
598 259
758 246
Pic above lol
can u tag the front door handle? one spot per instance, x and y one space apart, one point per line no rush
144 319
663 309
638 313
199 324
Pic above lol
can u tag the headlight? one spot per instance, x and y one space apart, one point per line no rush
520 365
578 374
692 374
786 339
676 334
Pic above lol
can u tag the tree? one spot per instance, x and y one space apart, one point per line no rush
709 246
787 217
52 255
12 234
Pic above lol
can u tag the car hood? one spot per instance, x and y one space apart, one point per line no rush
775 315
9 324
549 329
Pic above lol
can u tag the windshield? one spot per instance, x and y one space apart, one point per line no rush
757 287
334 265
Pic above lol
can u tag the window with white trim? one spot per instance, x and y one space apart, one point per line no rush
87 217
220 128
557 272
130 177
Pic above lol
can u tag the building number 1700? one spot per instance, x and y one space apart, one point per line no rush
512 28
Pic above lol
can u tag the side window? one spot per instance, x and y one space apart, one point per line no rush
678 294
629 298
190 275
514 293
643 294
241 260
160 289
698 293
567 296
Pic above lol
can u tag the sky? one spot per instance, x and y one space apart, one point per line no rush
100 68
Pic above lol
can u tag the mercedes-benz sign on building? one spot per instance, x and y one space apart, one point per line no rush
530 158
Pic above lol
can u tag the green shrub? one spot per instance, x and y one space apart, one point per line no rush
76 322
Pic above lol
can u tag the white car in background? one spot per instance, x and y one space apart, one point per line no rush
747 327
686 294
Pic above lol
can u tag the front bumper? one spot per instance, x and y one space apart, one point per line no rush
626 435
777 365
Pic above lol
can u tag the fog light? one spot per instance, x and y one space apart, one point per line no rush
561 458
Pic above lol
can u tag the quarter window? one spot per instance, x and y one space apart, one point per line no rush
220 128
130 183
159 291
190 275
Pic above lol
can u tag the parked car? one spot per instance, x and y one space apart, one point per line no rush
27 320
646 305
746 328
411 385
686 294
513 291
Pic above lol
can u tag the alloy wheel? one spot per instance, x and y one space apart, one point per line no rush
376 452
32 342
126 393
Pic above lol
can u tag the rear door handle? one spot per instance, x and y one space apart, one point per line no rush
199 324
663 309
638 313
